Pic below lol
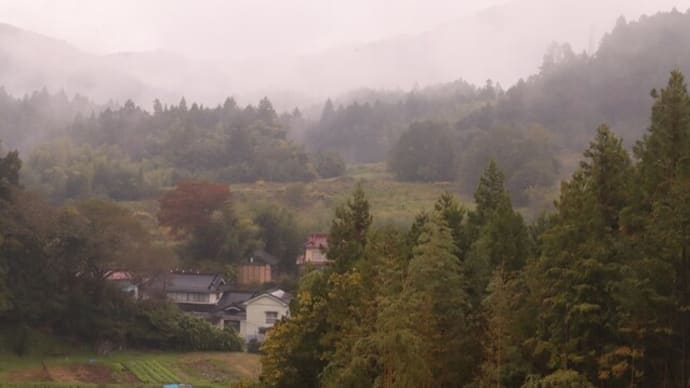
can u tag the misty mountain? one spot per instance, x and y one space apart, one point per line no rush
30 62
175 74
503 43
529 128
569 95
573 94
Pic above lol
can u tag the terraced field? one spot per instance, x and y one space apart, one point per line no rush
151 371
120 370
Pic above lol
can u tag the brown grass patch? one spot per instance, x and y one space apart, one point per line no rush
28 375
222 366
82 373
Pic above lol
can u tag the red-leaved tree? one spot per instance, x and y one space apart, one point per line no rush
189 206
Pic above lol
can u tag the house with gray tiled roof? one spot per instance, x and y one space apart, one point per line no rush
208 296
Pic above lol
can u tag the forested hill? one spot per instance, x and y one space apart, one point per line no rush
128 153
573 93
570 96
370 122
532 130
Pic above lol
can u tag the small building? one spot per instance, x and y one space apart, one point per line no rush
262 311
315 249
259 268
124 280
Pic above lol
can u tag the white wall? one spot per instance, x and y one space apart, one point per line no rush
256 316
194 297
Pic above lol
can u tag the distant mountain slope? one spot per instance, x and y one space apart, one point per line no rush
573 94
176 75
503 43
30 62
551 115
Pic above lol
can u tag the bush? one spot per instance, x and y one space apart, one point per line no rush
163 326
254 346
329 164
559 379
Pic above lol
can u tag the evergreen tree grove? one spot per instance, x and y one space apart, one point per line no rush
595 294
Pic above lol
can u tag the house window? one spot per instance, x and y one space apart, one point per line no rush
271 317
197 297
186 297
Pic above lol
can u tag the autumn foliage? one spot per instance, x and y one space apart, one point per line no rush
189 206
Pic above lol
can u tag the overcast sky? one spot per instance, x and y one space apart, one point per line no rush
232 28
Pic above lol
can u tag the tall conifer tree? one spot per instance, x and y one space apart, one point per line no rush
580 263
660 221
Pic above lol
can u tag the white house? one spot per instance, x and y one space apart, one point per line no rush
262 312
208 296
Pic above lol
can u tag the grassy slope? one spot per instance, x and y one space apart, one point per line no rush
314 203
392 202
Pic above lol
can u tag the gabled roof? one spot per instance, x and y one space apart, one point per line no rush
189 282
276 294
234 299
118 275
317 241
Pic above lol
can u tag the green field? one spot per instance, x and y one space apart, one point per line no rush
392 202
314 203
129 369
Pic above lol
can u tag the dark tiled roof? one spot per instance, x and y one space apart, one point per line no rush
233 298
196 307
189 282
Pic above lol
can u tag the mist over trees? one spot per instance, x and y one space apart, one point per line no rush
486 292
530 129
526 128
364 130
575 92
127 153
34 118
